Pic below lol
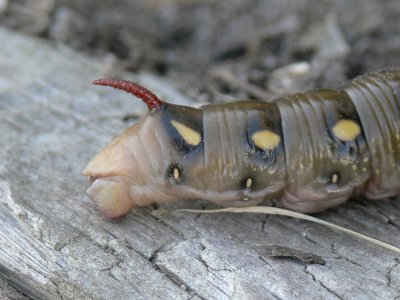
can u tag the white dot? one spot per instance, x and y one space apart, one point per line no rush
176 174
335 178
249 182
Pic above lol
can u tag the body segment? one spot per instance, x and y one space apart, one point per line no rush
327 157
376 97
314 150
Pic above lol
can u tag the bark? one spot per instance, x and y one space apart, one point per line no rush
55 245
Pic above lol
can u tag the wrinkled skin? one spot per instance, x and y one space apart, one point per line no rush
313 150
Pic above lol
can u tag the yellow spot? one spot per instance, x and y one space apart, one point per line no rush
346 130
192 137
249 182
266 139
176 174
335 178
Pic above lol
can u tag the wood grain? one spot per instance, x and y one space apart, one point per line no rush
55 245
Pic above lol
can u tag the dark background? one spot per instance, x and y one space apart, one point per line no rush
217 50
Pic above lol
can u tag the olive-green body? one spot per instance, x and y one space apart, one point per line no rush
313 150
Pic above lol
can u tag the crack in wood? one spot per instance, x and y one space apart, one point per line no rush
388 275
330 291
334 251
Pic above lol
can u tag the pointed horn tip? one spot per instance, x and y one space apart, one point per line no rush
150 99
102 81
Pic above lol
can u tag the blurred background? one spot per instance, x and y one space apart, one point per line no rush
53 242
221 50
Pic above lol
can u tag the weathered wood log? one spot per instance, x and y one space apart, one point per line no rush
55 245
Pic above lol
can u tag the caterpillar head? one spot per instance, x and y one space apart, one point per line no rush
165 157
145 163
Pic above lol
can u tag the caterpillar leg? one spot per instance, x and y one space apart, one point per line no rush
311 204
327 158
375 192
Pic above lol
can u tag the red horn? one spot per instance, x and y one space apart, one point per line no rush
151 100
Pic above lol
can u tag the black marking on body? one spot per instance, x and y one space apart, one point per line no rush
247 183
182 146
334 180
171 172
188 116
267 119
343 109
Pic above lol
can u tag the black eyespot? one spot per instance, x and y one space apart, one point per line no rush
268 156
183 147
333 180
352 149
247 183
348 150
174 173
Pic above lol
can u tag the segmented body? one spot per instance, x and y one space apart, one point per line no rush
312 149
361 157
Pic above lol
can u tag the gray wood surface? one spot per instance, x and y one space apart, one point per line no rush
55 245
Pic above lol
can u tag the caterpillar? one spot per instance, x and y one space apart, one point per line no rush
313 150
